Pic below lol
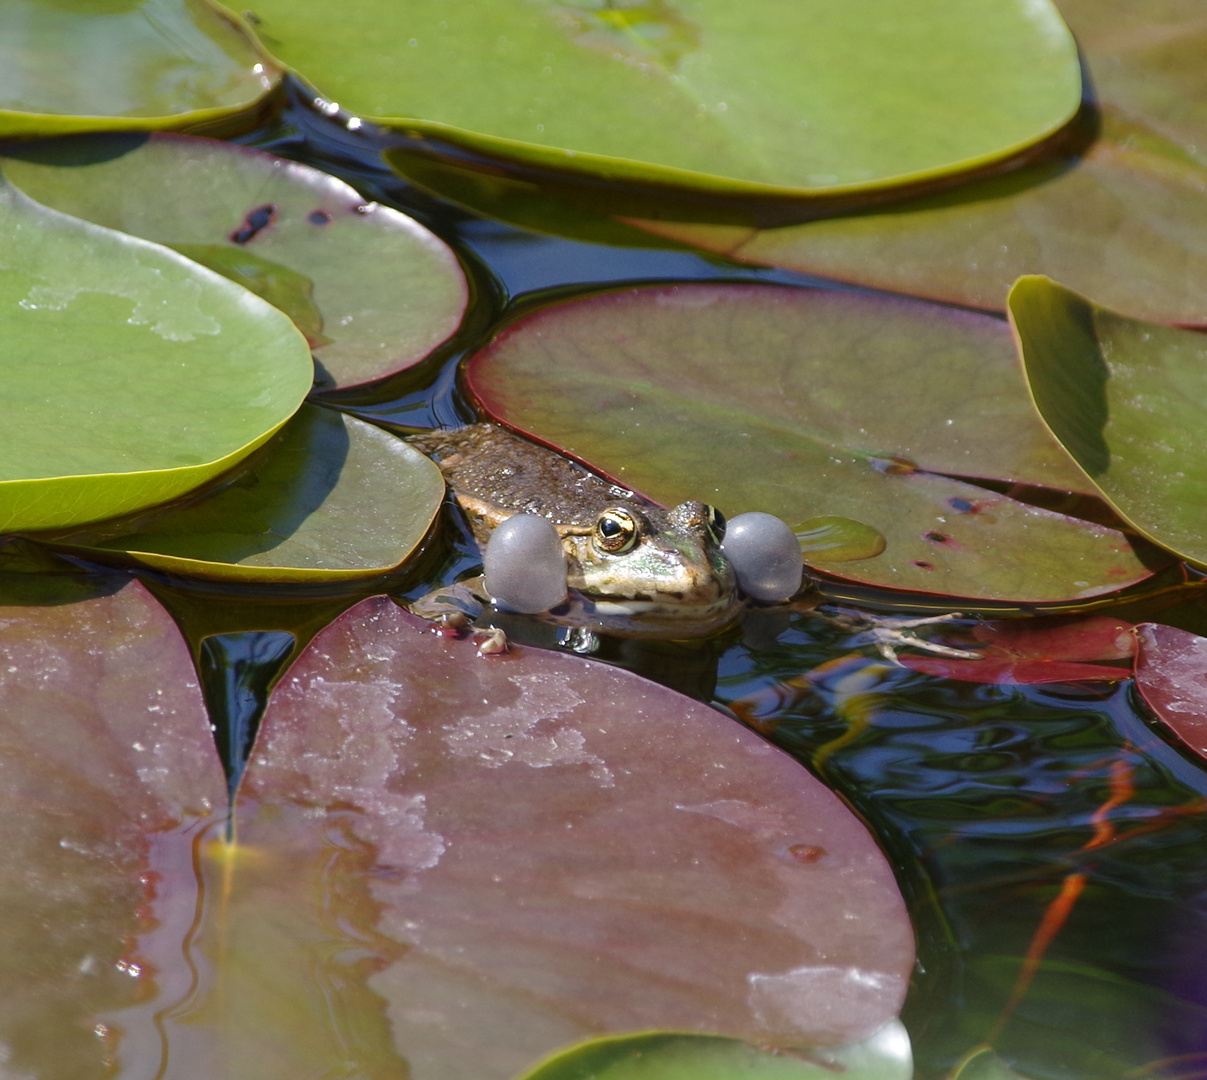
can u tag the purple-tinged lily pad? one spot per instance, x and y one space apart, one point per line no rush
112 64
373 290
1171 675
108 777
328 498
801 402
1043 651
507 855
1125 222
1128 401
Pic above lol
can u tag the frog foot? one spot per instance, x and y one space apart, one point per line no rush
889 633
491 641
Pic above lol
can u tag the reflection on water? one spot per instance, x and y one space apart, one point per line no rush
1042 822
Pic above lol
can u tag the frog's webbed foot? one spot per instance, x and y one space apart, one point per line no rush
454 606
889 633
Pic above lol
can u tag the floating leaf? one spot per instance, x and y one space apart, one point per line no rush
331 497
884 1056
777 97
795 401
838 539
1036 651
1126 223
114 64
130 374
372 290
108 778
1126 400
508 855
1171 675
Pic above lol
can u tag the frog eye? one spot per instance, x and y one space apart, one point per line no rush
715 521
615 531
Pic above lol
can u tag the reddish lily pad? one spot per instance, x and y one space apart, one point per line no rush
1125 222
109 779
1126 400
1171 675
798 402
524 851
1036 652
113 64
373 290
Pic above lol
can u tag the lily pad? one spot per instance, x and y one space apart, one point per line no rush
778 97
373 290
1037 651
112 64
1125 222
1171 675
131 374
517 853
329 498
1126 400
798 402
109 778
883 1056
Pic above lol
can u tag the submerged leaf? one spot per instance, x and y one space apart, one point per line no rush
113 64
372 289
130 374
782 96
775 399
330 498
1126 399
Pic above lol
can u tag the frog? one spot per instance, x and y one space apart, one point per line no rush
633 567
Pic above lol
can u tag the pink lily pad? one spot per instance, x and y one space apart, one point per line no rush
1171 675
1037 651
108 779
528 850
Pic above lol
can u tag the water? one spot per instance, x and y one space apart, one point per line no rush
1051 844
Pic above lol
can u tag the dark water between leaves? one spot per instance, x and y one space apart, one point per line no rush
1051 845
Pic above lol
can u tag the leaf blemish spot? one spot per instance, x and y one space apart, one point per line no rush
256 221
319 217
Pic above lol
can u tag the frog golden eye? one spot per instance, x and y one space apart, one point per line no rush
715 521
615 531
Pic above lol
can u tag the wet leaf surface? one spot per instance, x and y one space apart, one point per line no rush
1125 223
131 375
111 64
1032 651
774 399
108 777
329 498
883 1056
1171 675
373 290
1125 398
512 854
770 97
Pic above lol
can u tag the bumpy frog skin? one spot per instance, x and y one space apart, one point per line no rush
634 568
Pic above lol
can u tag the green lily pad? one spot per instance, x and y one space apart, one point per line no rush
329 498
1125 222
131 375
1126 399
883 1056
373 290
116 64
778 97
798 402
